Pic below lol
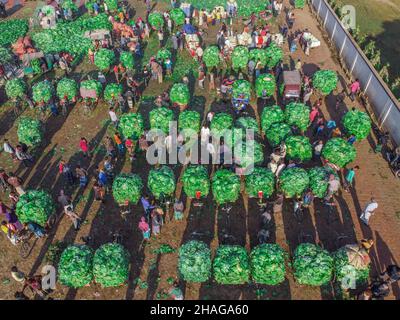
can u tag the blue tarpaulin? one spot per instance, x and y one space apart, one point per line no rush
189 29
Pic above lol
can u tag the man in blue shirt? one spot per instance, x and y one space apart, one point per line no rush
351 139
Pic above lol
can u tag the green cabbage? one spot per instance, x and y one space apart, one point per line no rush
177 16
319 177
164 54
249 154
265 82
127 187
297 114
104 58
189 121
357 123
92 85
127 59
42 91
211 57
240 57
247 123
156 20
271 115
325 81
30 131
16 88
112 91
241 87
258 55
293 181
67 87
11 30
131 125
194 263
161 181
160 119
261 179
339 152
35 206
180 94
195 178
298 148
220 123
225 186
274 55
277 132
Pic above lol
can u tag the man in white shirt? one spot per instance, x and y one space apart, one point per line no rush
211 151
333 185
199 53
113 117
205 134
369 211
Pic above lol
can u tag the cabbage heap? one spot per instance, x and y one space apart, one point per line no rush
163 54
293 181
111 265
11 30
231 265
177 16
345 270
104 58
156 20
247 123
312 265
42 91
299 4
112 91
69 4
194 262
277 132
297 114
265 83
15 88
248 153
35 206
358 123
131 126
325 81
274 55
267 263
127 187
75 268
261 179
241 88
271 115
298 148
189 121
225 186
67 87
258 55
180 94
92 85
220 123
5 55
234 137
319 177
160 119
30 131
161 181
111 4
211 57
240 58
339 152
195 178
127 59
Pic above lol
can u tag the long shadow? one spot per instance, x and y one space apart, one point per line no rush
7 121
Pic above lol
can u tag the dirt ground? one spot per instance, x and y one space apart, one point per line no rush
209 224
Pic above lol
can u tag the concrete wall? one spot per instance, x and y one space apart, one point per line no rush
384 104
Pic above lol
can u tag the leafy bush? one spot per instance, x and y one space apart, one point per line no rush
357 123
195 178
231 265
161 181
261 179
339 152
298 148
127 187
194 262
225 186
293 181
35 206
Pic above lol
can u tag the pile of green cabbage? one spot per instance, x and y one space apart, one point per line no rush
299 4
339 152
15 88
234 137
111 4
271 115
180 94
156 20
42 91
161 181
274 55
248 153
247 123
67 87
325 81
75 268
69 4
258 55
160 119
163 54
261 179
35 65
358 123
104 58
127 187
111 265
92 85
189 121
5 55
112 91
343 269
127 59
11 30
293 181
194 262
265 82
277 132
319 177
225 186
220 123
231 265
195 178
312 265
298 148
30 131
267 263
297 114
240 58
177 16
131 125
241 87
35 206
211 57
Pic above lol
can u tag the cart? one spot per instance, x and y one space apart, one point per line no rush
291 86
240 103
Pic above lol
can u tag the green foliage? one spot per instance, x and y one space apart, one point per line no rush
248 153
42 91
185 65
164 54
127 59
325 81
5 55
277 132
67 87
180 94
231 265
161 181
189 121
225 186
177 16
111 4
156 20
274 55
195 178
11 30
194 263
127 187
261 179
240 57
339 152
265 82
298 148
271 115
92 85
35 206
30 131
358 123
293 181
241 87
104 58
160 119
131 125
319 177
112 91
211 57
15 88
247 123
220 123
297 114
258 55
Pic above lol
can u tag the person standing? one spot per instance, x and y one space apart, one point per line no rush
147 207
178 209
25 157
83 145
7 147
369 211
333 185
4 186
155 223
76 220
160 36
144 228
16 183
113 117
318 148
119 143
82 175
354 89
99 192
349 179
65 170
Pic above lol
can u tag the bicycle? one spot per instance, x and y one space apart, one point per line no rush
125 210
42 113
298 211
24 238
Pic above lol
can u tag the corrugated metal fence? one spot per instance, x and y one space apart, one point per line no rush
384 105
